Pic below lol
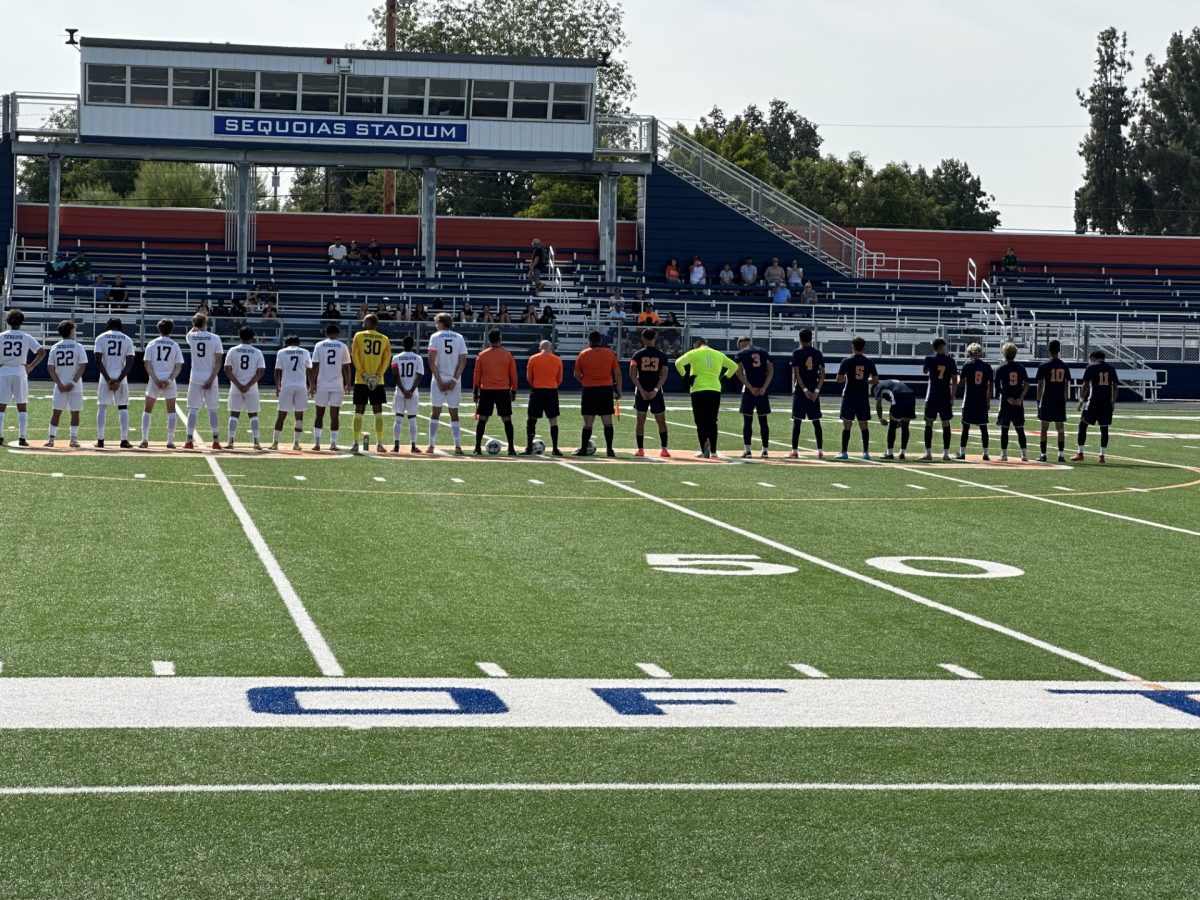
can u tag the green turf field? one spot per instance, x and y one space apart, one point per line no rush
924 747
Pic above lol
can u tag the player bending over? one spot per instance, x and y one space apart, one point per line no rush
244 367
939 396
648 370
544 373
903 409
329 382
1053 387
755 371
447 360
1012 384
407 368
808 377
292 365
114 357
163 362
858 376
1098 400
598 371
67 362
979 382
495 388
15 348
207 355
372 354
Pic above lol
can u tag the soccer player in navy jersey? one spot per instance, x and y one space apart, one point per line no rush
808 376
939 396
1098 400
1053 386
1012 384
755 371
858 375
978 383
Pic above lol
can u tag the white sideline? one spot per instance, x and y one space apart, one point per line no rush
867 579
492 670
959 671
610 787
653 670
809 671
312 636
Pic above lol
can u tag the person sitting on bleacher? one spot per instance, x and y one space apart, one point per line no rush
808 295
337 254
118 294
505 317
384 312
58 268
726 276
529 317
671 272
697 274
270 313
749 272
774 274
547 317
220 311
648 316
254 298
780 293
485 316
419 314
364 261
374 257
201 307
237 311
331 313
100 289
353 265
270 296
1010 263
795 275
81 269
364 310
466 312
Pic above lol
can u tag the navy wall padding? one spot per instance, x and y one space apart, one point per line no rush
683 221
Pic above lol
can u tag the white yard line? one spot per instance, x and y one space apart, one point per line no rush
867 579
844 487
380 480
300 478
959 671
312 636
916 487
457 481
492 670
809 671
140 475
535 481
688 483
1069 490
654 671
611 787
163 667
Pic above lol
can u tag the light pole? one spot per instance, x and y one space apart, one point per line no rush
389 175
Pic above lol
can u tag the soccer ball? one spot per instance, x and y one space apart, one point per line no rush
591 448
538 445
493 447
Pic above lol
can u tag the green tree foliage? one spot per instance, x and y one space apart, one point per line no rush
960 198
177 185
1103 201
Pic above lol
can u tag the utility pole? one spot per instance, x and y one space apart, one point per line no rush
389 175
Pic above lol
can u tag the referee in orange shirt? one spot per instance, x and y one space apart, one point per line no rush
599 372
495 384
544 372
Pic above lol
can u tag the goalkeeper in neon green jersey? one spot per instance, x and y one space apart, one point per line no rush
371 353
705 370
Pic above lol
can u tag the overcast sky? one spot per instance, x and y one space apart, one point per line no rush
876 75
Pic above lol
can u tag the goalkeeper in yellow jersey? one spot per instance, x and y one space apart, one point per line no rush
371 353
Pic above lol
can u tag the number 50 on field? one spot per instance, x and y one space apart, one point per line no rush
715 564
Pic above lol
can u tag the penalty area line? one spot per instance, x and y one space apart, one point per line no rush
312 636
973 619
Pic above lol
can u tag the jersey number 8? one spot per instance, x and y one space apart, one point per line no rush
244 364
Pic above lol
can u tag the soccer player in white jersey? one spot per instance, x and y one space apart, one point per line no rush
163 361
244 367
66 365
291 387
207 354
408 369
113 352
329 383
15 347
447 360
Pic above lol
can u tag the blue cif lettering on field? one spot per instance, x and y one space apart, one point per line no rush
341 129
634 702
284 701
1181 701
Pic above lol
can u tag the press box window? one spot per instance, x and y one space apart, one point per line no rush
191 88
489 99
364 95
148 85
570 103
530 100
277 90
107 84
320 93
447 97
406 97
235 90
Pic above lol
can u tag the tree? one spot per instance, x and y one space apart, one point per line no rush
739 144
960 198
177 184
1102 202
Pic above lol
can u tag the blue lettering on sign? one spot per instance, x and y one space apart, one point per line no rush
1181 701
341 129
284 701
634 702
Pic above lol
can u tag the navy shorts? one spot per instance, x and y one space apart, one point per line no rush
597 401
543 402
656 404
1052 412
975 415
1098 415
493 402
856 408
939 409
904 408
803 408
752 405
1010 415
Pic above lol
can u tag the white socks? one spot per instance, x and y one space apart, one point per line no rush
254 428
412 429
317 436
193 414
456 430
172 421
124 417
145 426
233 424
433 430
396 429
22 423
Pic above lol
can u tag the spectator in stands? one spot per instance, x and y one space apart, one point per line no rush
466 312
808 295
726 276
671 272
1010 263
375 257
795 275
337 254
616 313
538 263
254 298
220 311
118 294
81 269
58 268
617 296
270 296
237 312
100 289
366 267
697 274
384 311
672 320
269 313
331 313
648 316
418 313
547 317
530 316
639 301
781 293
437 304
749 272
670 335
202 307
364 310
353 263
774 273
505 317
485 316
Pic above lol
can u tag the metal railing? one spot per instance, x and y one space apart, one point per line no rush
880 265
44 116
757 200
625 136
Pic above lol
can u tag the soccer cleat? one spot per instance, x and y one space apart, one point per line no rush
354 447
257 445
960 455
639 452
611 454
414 449
1003 457
229 446
144 446
867 457
842 457
49 442
74 444
334 448
794 455
1100 458
216 445
429 449
274 445
99 445
1078 457
170 445
125 445
1024 456
986 458
764 454
316 448
21 442
946 456
458 451
512 451
746 454
189 444
477 452
1062 458
556 452
296 445
1041 457
379 448
902 454
664 453
528 451
888 455
582 451
396 447
928 457
820 454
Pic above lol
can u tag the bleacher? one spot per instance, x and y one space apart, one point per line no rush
1108 292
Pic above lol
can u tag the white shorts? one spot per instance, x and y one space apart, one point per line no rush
438 397
329 397
14 387
293 399
198 397
406 407
153 391
106 396
72 399
247 401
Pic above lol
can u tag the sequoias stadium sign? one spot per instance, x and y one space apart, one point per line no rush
341 129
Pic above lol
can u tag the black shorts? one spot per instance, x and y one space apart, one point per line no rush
1010 415
752 405
497 402
1052 412
597 401
543 402
1098 415
803 408
904 408
936 408
856 407
975 415
366 396
656 404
